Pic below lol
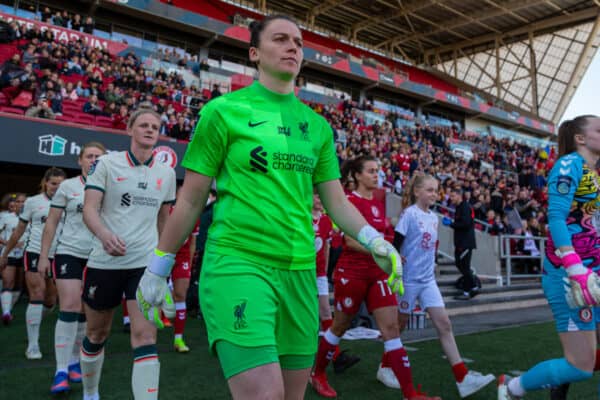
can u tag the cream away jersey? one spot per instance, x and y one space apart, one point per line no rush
35 212
133 195
74 239
8 223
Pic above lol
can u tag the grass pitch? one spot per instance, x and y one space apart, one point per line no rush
197 375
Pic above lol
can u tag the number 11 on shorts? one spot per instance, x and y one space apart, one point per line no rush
385 289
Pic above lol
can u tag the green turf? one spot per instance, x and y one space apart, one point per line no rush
197 375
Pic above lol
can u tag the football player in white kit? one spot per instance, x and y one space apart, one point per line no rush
127 199
416 240
42 291
9 220
72 251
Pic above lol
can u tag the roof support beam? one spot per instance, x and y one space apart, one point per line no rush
590 48
401 12
322 9
469 18
533 73
575 18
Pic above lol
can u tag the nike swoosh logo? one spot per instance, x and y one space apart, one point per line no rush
255 124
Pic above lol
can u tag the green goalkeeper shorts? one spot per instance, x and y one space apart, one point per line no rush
254 305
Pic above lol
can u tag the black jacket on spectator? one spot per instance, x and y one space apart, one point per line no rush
464 226
180 132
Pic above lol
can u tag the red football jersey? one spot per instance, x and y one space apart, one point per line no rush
323 234
353 262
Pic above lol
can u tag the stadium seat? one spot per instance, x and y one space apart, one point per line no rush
7 51
66 118
12 110
83 118
101 119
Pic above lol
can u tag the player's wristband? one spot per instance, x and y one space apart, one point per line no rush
161 263
366 235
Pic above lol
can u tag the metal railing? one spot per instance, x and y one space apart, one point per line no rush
507 256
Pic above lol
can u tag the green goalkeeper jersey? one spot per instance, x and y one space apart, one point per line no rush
266 151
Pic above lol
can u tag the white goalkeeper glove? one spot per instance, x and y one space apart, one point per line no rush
584 283
153 293
385 255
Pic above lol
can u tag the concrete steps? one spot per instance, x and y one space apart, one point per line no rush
524 293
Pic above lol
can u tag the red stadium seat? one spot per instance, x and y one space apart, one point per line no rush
67 118
103 119
83 118
105 124
7 51
12 110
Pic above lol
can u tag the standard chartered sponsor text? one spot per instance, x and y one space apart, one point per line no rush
145 201
293 162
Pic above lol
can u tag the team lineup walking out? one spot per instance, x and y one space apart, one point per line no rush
127 199
258 290
42 291
570 282
12 203
73 248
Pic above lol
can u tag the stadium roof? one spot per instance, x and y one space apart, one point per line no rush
529 53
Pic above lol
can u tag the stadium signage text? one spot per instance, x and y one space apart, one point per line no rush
50 144
66 35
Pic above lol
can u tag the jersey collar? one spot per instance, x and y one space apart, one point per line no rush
134 161
260 90
82 179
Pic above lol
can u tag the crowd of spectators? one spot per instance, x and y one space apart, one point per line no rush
43 75
501 180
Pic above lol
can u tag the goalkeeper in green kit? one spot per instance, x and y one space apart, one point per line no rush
258 292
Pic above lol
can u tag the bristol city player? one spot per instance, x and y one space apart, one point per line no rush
323 234
357 278
180 276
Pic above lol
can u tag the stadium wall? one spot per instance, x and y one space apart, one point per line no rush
46 143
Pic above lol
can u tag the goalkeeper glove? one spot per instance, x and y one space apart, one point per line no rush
153 293
385 255
584 283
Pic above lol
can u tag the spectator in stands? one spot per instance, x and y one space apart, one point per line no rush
110 109
47 61
525 205
204 66
81 91
69 92
496 227
66 19
160 90
55 98
120 119
73 66
527 178
88 26
76 22
57 19
181 130
41 109
11 69
92 106
30 54
215 91
46 15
